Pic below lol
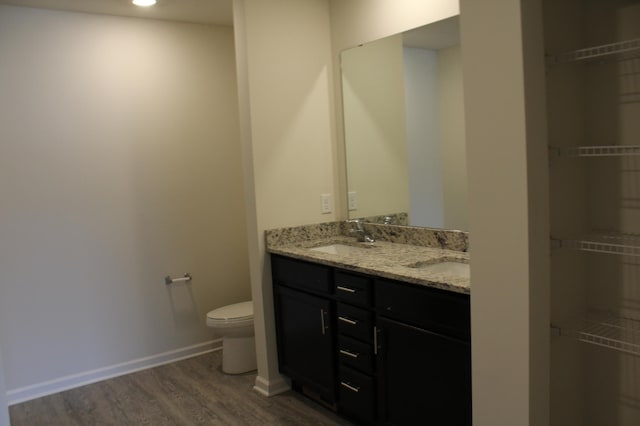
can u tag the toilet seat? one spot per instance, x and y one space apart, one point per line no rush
234 325
232 314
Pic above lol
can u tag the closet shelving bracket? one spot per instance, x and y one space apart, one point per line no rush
595 52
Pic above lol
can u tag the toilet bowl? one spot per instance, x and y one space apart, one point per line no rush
234 323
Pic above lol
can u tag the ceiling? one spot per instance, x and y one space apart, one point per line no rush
218 12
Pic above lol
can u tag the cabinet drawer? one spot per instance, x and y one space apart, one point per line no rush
355 322
432 309
355 354
356 393
300 274
353 288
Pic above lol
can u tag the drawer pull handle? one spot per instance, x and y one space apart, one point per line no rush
349 353
348 386
376 332
347 289
348 320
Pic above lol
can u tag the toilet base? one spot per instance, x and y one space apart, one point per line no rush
238 355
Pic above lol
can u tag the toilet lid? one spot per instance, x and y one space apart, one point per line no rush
237 311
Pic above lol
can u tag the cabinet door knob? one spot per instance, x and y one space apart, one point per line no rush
350 387
348 320
376 332
349 353
347 289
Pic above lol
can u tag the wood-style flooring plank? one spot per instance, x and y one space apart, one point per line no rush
188 392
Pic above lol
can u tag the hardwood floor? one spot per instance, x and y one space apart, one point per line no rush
189 392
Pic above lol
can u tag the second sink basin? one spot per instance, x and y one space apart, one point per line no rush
341 249
457 269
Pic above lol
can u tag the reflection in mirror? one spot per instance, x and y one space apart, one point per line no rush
404 128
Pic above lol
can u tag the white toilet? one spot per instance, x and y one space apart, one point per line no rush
234 323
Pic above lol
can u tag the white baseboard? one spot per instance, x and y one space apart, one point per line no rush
271 387
16 396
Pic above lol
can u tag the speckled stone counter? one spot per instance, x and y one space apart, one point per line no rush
394 255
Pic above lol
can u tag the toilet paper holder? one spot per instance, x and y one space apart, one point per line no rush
185 278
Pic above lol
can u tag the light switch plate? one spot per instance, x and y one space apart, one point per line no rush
325 203
353 200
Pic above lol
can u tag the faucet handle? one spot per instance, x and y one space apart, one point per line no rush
358 224
359 230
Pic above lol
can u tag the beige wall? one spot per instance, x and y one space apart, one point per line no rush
452 139
285 86
375 126
508 204
120 164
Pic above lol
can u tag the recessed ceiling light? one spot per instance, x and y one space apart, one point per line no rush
144 3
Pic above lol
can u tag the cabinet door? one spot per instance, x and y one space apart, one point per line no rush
305 342
424 377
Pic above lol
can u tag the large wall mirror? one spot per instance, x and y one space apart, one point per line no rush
404 128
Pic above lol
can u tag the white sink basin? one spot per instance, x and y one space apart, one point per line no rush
342 249
457 269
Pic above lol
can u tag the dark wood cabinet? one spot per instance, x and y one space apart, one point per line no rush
423 355
305 344
378 351
433 309
305 326
423 377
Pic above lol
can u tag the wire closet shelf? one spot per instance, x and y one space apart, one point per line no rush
605 329
609 243
595 151
611 50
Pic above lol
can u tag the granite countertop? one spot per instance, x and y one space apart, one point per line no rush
385 259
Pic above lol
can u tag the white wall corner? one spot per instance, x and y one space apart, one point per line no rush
4 411
272 387
38 390
305 106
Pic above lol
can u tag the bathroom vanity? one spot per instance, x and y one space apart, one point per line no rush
374 332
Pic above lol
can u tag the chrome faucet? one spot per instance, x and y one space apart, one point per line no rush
357 229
